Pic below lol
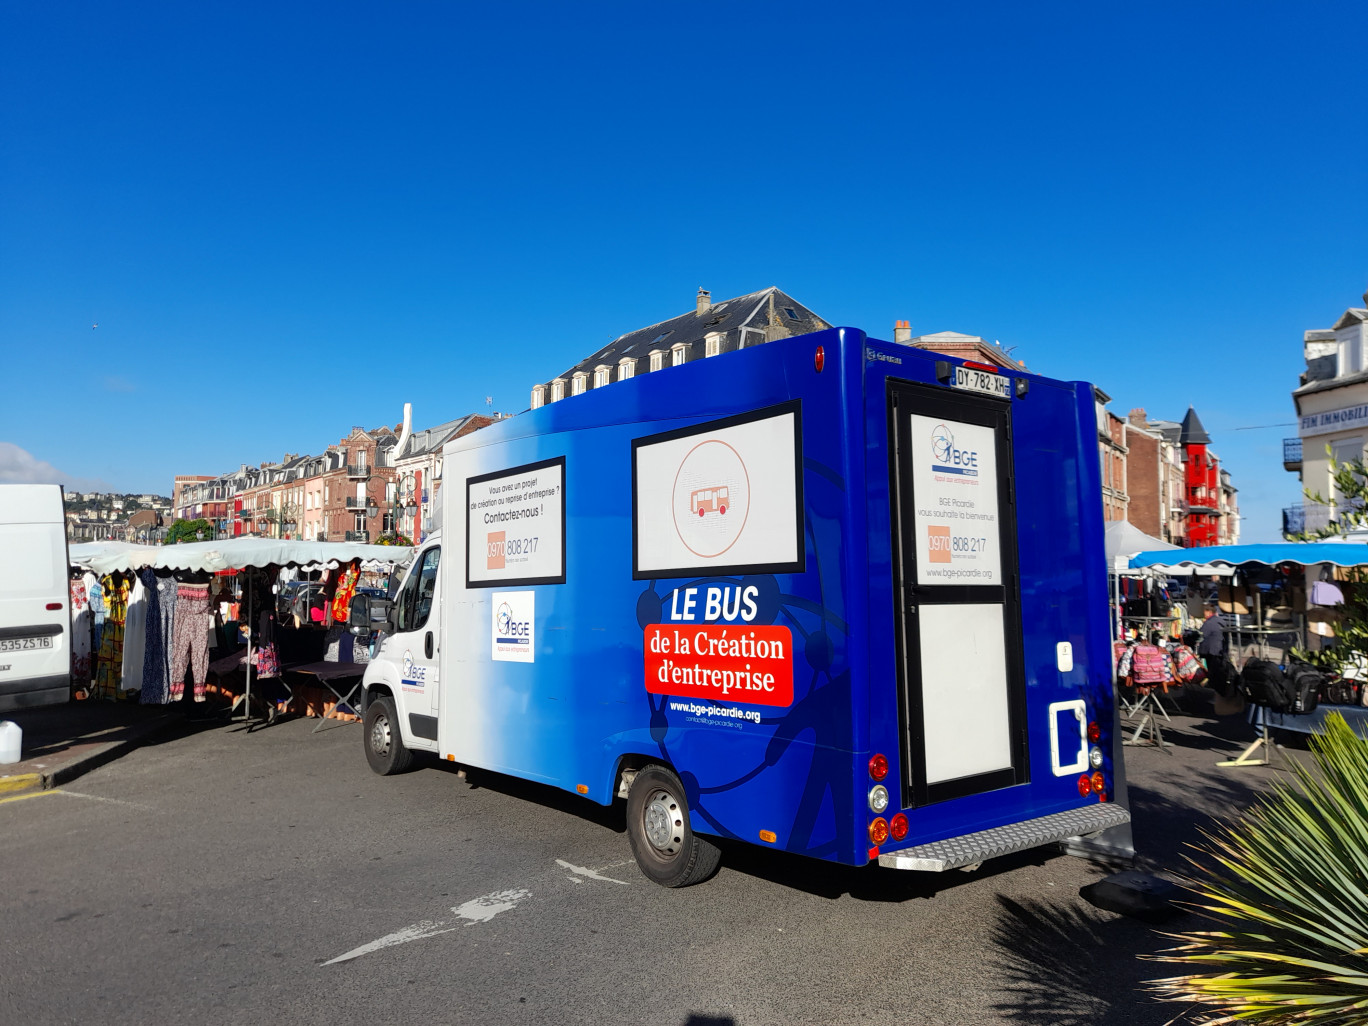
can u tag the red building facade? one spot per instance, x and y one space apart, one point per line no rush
1202 480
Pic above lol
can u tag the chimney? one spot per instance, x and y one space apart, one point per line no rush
1138 417
902 332
406 430
704 301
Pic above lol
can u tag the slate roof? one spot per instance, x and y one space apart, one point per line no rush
432 439
1193 432
747 316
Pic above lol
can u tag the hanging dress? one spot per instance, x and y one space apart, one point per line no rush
81 623
135 639
109 665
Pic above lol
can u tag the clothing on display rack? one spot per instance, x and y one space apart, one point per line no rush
156 675
346 588
81 624
109 665
266 658
190 640
135 638
95 596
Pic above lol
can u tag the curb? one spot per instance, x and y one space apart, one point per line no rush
94 760
64 774
21 782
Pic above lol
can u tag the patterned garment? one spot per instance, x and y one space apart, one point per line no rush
95 594
190 640
109 663
161 620
80 635
346 588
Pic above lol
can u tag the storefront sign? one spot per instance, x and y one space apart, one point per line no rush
954 482
1333 420
515 526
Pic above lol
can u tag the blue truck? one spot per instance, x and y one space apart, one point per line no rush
828 594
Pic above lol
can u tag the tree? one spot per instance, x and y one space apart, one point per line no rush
188 531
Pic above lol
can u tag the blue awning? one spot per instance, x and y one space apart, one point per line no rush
1271 554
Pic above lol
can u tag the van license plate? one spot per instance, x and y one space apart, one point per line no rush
23 644
981 381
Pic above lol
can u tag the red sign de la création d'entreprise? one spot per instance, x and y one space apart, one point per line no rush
723 662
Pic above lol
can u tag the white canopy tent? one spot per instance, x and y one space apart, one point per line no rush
231 554
1122 540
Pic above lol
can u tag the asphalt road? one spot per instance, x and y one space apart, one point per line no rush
223 877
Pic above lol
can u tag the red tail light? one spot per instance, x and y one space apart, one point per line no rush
897 829
1094 732
53 605
878 767
878 831
819 359
990 368
1084 785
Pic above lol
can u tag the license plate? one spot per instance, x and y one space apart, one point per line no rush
981 381
23 644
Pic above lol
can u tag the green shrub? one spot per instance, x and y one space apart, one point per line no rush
1287 887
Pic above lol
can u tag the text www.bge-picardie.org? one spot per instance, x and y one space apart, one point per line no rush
707 709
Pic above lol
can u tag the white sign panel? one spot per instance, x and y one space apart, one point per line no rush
724 497
514 626
965 713
954 484
1333 420
515 527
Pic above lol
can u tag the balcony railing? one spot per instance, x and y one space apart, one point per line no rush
357 536
352 502
359 473
1292 454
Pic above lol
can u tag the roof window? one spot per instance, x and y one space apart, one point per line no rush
791 315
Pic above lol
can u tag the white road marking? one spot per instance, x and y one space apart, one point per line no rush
418 931
591 874
483 909
111 801
477 910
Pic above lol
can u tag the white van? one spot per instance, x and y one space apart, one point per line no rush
35 599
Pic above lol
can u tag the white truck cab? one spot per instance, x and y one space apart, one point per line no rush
400 684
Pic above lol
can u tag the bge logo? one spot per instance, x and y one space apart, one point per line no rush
943 449
510 627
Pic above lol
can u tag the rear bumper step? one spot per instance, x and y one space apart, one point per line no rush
971 849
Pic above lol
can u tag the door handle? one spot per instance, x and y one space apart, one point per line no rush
427 645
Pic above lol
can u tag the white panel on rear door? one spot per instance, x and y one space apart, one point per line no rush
964 690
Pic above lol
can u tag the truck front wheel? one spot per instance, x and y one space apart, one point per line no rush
385 749
665 846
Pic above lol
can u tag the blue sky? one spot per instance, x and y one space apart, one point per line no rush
289 219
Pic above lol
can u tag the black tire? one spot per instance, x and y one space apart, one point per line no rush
664 845
385 749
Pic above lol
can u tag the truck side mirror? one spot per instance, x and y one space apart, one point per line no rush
359 612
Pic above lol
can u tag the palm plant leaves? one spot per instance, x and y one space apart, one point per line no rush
1287 889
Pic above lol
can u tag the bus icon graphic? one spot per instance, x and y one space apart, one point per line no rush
709 500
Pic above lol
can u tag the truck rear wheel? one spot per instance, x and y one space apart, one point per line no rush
665 846
385 749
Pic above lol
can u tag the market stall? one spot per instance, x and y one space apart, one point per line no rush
1253 572
163 604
